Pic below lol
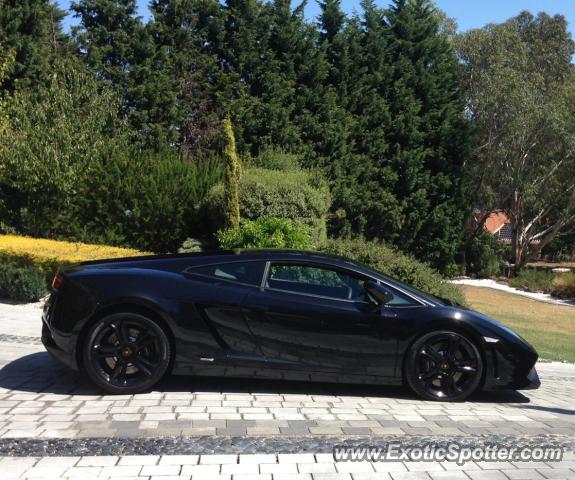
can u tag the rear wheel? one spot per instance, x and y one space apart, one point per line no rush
444 366
126 353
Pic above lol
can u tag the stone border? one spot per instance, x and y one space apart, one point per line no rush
25 447
6 338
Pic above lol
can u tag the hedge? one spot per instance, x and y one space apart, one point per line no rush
395 264
297 195
47 255
24 284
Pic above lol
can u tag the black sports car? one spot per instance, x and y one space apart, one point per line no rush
273 314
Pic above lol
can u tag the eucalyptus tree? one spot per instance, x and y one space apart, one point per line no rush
520 88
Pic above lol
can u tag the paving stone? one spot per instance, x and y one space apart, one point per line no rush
179 460
164 470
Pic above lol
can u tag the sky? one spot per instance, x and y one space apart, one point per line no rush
468 13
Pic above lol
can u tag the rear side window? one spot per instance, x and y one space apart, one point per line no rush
249 273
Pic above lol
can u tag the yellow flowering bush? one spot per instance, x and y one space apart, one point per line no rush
47 255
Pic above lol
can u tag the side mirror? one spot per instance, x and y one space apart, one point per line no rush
379 293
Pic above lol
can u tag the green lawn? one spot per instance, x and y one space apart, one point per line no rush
549 328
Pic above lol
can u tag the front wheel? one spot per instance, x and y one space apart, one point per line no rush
444 365
126 353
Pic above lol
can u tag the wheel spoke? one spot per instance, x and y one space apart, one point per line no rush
449 386
453 345
430 352
119 372
466 366
145 341
432 374
105 352
148 362
120 332
142 367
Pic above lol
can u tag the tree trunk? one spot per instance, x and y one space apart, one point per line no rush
516 244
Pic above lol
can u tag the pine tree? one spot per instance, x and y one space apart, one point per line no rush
427 135
186 81
107 37
31 29
113 41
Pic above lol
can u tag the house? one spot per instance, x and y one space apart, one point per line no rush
498 224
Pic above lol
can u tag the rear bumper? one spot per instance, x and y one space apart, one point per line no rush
49 340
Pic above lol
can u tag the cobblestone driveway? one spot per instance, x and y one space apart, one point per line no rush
41 402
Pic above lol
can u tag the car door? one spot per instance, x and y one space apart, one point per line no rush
219 291
318 318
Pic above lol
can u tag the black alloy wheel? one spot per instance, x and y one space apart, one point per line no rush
126 353
444 366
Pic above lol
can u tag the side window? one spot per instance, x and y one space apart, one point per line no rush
316 281
400 299
242 272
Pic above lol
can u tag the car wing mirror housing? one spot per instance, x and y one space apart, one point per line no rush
379 293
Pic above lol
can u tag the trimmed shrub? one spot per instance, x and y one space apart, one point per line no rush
47 255
389 261
144 200
533 280
232 176
192 245
266 233
24 284
563 286
297 195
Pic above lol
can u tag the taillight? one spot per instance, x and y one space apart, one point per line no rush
57 282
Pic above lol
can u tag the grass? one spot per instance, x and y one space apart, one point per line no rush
549 328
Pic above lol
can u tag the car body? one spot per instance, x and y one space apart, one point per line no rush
277 314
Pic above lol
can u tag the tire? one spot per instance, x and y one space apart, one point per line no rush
444 366
126 353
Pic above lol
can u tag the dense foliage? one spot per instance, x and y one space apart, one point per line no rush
533 280
484 256
24 284
371 125
564 286
266 233
293 194
390 261
560 285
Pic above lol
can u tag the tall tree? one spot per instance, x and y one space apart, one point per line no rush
520 86
32 30
113 41
186 84
427 134
107 37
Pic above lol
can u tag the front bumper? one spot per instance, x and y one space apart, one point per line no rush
533 379
511 366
